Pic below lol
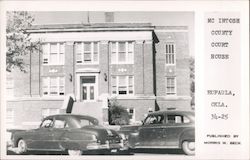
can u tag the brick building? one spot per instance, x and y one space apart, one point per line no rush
143 67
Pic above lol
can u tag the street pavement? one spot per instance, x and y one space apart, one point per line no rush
137 152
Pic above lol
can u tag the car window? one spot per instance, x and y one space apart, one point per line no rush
154 119
85 122
176 119
59 123
47 123
79 122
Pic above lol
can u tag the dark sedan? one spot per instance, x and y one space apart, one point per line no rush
67 132
163 129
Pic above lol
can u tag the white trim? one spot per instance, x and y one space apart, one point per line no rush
92 36
134 97
88 70
91 29
173 97
169 30
38 98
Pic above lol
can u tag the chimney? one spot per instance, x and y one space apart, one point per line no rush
109 17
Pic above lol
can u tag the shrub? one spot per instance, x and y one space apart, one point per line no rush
118 115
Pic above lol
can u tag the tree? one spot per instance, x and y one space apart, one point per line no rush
192 79
118 115
18 40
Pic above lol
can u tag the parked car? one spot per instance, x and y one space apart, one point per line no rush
163 129
71 133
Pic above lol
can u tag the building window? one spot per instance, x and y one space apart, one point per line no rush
122 85
170 54
49 111
53 86
122 52
170 85
131 113
53 53
10 117
87 52
10 87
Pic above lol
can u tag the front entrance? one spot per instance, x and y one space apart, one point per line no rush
88 88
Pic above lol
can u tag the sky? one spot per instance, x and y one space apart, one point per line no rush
156 18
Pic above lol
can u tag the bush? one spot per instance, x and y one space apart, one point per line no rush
118 115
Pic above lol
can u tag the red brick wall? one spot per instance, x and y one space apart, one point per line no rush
180 70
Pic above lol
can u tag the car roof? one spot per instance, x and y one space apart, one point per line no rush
73 115
172 112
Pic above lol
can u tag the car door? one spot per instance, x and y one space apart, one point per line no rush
42 138
59 130
175 125
152 131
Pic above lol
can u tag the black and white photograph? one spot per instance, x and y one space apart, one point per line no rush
100 83
120 80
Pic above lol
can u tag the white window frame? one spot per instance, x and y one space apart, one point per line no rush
170 54
175 86
133 116
57 85
127 60
127 85
47 54
92 53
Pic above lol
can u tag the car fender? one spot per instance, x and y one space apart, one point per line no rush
187 134
75 140
133 139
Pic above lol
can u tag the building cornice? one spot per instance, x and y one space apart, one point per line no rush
95 27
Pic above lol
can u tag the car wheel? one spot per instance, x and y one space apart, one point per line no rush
74 152
188 147
22 146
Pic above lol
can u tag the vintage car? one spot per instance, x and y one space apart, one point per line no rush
69 133
163 129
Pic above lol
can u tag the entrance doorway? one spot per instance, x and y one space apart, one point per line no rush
88 88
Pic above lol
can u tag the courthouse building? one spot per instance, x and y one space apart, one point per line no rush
144 67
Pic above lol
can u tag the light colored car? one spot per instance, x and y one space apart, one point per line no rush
163 129
74 134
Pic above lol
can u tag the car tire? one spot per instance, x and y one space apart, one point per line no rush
188 147
22 146
74 152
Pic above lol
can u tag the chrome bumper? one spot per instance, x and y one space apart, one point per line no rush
98 146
